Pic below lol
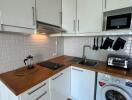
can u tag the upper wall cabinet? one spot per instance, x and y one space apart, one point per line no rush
81 16
69 15
89 16
49 11
17 15
116 4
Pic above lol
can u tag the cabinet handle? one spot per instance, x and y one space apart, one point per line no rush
36 89
57 76
41 95
105 3
74 25
61 18
78 25
1 24
77 69
0 21
34 20
68 99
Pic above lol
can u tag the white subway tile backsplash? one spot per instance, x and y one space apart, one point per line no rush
14 48
73 46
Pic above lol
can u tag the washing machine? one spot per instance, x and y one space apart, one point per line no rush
113 88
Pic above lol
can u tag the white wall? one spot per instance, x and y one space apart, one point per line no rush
14 48
73 46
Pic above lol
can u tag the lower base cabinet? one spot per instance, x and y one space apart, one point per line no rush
60 85
38 92
82 84
73 82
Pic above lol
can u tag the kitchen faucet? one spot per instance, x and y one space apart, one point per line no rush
84 47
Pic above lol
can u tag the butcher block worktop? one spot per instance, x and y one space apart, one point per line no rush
18 83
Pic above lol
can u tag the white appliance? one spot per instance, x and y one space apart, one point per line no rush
113 88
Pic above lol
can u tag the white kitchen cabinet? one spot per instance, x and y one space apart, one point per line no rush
17 14
60 85
69 15
49 11
116 4
82 16
38 92
89 16
82 84
6 93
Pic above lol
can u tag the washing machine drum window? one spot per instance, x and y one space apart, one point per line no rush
114 93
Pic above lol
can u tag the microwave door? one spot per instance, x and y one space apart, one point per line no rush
118 22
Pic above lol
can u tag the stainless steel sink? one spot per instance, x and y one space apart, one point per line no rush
88 62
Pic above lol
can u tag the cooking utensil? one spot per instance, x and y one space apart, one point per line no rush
102 40
97 44
94 46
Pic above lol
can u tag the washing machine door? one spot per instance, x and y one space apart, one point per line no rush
114 93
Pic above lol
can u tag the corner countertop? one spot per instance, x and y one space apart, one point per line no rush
19 84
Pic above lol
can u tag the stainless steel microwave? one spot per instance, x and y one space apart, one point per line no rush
122 21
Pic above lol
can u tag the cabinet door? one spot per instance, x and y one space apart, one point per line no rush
69 15
89 16
38 92
6 93
17 13
82 84
44 95
116 4
49 11
60 85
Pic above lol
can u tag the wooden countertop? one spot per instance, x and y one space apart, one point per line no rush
19 84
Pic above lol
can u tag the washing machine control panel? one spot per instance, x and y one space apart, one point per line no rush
116 81
111 79
106 78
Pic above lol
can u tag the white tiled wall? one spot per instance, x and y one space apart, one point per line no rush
14 48
73 46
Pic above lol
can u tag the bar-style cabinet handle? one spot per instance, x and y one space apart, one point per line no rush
34 18
77 69
105 3
68 99
0 20
61 18
36 89
41 95
57 76
1 23
74 25
78 25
